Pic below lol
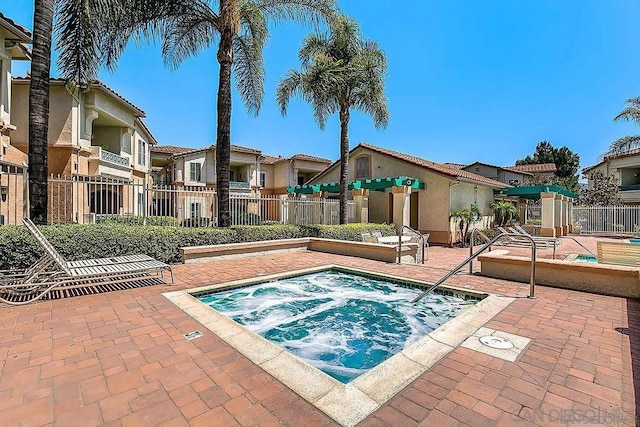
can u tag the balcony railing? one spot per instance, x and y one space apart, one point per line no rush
108 156
239 185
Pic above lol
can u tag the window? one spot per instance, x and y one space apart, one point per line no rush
142 152
263 179
196 210
363 167
194 172
301 180
232 175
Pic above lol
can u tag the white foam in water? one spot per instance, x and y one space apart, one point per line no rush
341 323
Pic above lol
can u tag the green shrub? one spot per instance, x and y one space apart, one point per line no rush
18 249
196 222
255 233
136 220
352 232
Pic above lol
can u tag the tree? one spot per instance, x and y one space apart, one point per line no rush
39 110
602 191
340 72
506 211
631 112
240 29
464 218
567 163
81 30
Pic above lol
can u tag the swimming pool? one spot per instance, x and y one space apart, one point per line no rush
347 403
585 258
342 323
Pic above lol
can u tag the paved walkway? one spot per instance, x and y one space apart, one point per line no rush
121 359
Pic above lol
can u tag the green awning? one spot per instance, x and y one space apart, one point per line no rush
377 184
533 192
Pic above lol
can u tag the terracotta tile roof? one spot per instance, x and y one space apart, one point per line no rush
427 164
22 33
629 153
96 84
455 165
242 149
435 167
170 149
509 168
236 148
633 152
310 158
543 167
270 160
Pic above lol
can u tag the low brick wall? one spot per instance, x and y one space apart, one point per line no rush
386 253
606 279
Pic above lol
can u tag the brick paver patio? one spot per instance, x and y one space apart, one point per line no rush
121 359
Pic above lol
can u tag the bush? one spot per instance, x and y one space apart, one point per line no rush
196 222
255 233
352 232
136 220
18 248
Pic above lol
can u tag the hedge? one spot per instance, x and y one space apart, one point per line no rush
18 249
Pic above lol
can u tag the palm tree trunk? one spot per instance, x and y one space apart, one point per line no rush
39 110
344 161
223 137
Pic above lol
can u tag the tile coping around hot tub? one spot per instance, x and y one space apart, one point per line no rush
350 403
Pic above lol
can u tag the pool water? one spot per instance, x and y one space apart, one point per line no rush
586 258
342 323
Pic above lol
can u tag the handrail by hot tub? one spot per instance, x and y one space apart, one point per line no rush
476 254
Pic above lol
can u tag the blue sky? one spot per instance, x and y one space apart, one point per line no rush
468 80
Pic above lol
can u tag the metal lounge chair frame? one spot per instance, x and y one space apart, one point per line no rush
540 242
52 271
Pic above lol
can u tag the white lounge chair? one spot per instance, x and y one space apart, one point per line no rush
52 271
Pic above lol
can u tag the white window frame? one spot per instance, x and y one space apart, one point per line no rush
195 172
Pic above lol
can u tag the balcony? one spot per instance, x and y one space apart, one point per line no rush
239 185
107 163
108 156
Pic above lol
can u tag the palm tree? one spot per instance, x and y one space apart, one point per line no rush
506 211
240 29
464 218
39 109
80 30
631 112
340 71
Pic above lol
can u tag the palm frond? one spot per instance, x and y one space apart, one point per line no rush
78 30
187 34
312 45
288 87
308 12
248 68
631 112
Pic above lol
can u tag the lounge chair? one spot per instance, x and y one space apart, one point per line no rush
52 271
619 253
524 241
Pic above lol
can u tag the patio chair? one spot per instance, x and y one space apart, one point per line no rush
52 271
619 253
376 233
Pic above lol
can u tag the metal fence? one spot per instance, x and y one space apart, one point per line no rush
607 219
82 199
13 188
